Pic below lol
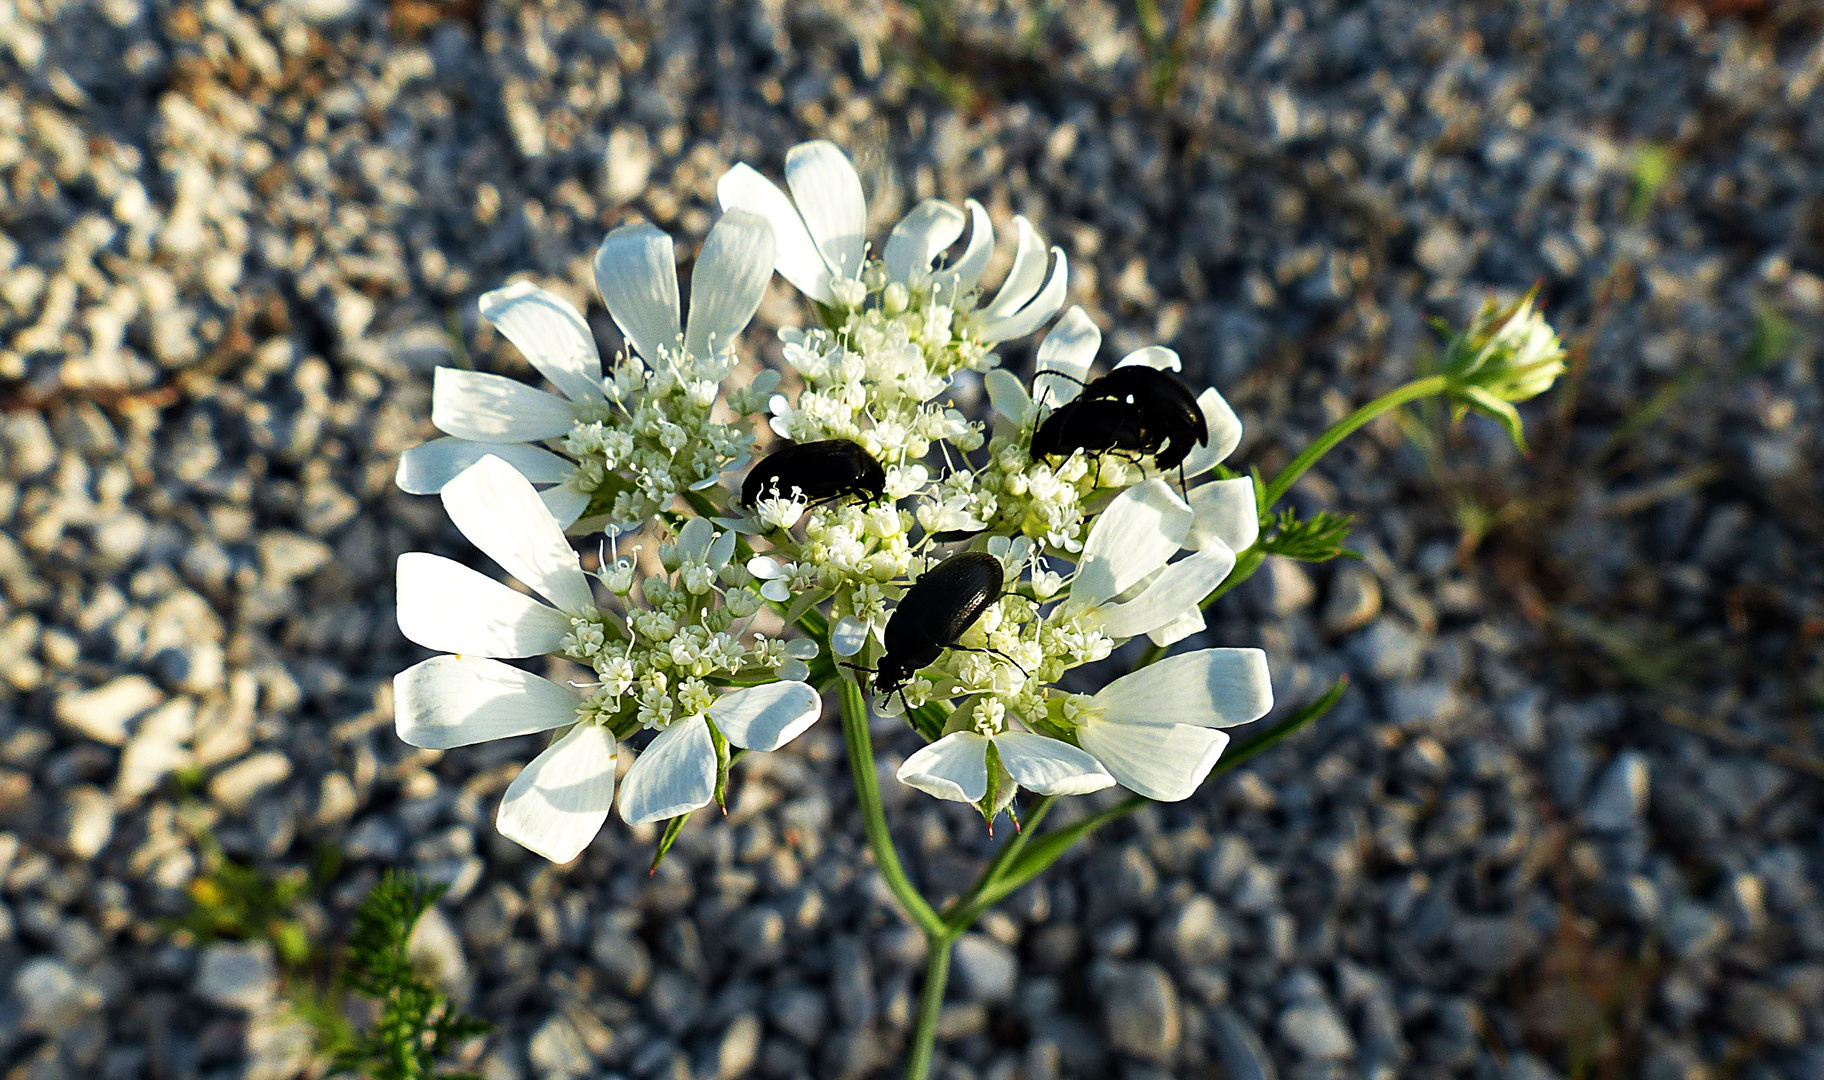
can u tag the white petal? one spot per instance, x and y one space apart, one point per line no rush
637 274
848 635
557 804
566 504
1153 356
1007 395
675 774
446 606
1042 307
1225 513
1209 688
728 281
423 470
1048 766
551 334
1166 762
462 700
1178 589
1225 434
766 717
1068 349
827 192
920 237
778 592
954 767
1178 629
498 511
797 257
492 408
1024 278
967 270
765 567
1138 532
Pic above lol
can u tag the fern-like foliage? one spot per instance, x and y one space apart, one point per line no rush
418 1024
1318 539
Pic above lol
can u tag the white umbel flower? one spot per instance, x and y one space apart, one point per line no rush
956 767
1157 730
559 801
631 442
1127 553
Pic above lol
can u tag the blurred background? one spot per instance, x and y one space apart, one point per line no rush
1566 822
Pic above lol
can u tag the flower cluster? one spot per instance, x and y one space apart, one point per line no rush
627 445
660 666
1099 538
897 329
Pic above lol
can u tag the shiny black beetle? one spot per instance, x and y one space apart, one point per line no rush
1137 409
816 472
939 608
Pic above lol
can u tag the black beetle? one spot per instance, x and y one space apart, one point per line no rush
939 608
816 472
1135 408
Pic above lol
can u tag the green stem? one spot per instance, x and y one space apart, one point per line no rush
968 907
867 793
1249 561
1342 429
930 1004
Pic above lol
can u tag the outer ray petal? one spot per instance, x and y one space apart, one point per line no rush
728 282
1153 356
1068 350
675 774
423 470
566 504
827 192
557 804
1178 629
551 334
1042 307
1138 532
637 274
491 408
1166 762
444 605
1178 590
954 767
931 227
1049 766
796 254
1225 512
1024 278
1007 395
498 511
1225 434
451 701
1208 688
967 270
766 717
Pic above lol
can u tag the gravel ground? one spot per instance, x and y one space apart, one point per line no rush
1566 822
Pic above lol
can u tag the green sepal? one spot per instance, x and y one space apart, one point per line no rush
1001 789
1501 412
670 837
720 741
